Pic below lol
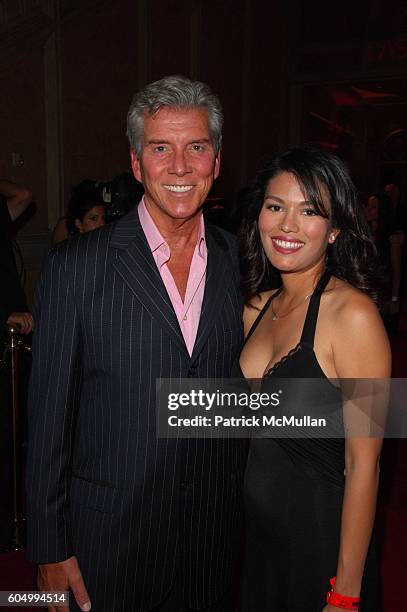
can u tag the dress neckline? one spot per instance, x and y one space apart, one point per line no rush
308 330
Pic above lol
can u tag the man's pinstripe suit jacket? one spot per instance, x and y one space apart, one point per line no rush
134 509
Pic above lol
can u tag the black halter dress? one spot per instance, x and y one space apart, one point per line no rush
293 495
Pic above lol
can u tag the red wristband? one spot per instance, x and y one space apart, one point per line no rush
341 601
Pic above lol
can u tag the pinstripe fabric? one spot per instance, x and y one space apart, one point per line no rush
134 509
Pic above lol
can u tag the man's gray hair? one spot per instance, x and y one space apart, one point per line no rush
175 92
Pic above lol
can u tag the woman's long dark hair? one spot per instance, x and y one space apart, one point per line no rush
352 257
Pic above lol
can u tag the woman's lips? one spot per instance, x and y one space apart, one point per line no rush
282 245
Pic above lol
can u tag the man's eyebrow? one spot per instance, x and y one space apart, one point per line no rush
158 141
281 201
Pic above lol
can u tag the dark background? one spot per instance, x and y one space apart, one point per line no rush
286 71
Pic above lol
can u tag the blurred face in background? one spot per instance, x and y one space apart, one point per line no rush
94 218
372 209
393 192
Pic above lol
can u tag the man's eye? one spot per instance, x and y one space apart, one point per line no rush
160 149
197 147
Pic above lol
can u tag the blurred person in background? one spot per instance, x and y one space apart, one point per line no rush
399 213
86 212
14 200
399 233
388 239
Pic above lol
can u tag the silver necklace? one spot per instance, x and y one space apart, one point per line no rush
280 316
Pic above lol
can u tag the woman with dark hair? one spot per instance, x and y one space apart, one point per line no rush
86 211
85 216
310 502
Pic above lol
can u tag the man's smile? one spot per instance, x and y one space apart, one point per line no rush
178 188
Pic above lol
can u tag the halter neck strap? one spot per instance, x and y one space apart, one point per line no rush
310 323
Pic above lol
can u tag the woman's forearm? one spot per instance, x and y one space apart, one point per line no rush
358 513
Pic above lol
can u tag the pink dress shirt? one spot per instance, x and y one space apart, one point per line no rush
188 312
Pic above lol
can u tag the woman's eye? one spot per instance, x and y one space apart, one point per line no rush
274 207
309 212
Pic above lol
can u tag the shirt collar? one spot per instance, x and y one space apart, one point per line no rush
153 235
151 231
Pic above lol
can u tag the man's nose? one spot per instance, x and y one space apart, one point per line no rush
179 163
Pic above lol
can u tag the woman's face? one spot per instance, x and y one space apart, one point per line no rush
372 209
293 235
94 218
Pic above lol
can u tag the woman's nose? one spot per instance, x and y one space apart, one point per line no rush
289 222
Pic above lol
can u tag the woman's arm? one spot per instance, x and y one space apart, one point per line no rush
361 350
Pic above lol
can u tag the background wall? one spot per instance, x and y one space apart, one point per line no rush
98 59
68 69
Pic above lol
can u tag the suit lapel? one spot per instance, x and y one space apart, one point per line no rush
137 267
218 276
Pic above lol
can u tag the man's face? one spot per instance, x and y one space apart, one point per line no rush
177 165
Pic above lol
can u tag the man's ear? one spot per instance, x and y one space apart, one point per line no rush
135 165
216 169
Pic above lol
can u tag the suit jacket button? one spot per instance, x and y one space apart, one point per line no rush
185 485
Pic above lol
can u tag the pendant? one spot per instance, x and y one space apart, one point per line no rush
274 317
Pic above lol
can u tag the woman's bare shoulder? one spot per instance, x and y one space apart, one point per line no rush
349 305
356 329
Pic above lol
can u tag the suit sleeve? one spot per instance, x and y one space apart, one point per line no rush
53 404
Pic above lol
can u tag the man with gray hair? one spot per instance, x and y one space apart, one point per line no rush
126 520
